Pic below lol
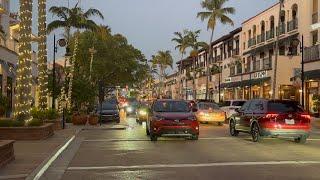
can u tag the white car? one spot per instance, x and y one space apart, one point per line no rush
230 106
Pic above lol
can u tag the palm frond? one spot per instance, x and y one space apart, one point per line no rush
93 12
55 25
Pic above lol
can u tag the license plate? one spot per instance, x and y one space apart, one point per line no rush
289 121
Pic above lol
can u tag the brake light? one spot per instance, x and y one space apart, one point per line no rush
306 116
271 115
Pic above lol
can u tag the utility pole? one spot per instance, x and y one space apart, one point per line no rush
54 73
274 83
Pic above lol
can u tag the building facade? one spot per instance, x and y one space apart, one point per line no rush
260 59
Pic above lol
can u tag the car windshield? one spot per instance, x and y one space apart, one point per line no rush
284 106
225 103
238 103
171 106
208 106
109 106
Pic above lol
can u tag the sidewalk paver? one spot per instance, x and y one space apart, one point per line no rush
30 154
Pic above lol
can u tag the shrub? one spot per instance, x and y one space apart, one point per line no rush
37 114
51 114
11 123
35 123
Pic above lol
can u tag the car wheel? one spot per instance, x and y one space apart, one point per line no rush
301 140
147 131
233 131
153 137
255 133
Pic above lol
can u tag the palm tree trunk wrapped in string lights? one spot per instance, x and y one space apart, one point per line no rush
24 74
42 55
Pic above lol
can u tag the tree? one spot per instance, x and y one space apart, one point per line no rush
195 45
68 19
181 39
163 60
215 12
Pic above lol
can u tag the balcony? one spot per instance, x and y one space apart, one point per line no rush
270 34
252 42
312 53
292 25
282 29
315 18
261 38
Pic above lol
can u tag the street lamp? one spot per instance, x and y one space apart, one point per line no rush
295 43
61 43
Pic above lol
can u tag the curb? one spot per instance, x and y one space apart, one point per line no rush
43 164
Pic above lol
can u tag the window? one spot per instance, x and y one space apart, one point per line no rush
314 37
282 50
208 106
238 103
245 106
232 70
284 106
239 68
171 106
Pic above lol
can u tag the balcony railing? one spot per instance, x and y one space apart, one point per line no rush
312 53
270 34
292 25
282 29
315 18
261 38
267 63
252 42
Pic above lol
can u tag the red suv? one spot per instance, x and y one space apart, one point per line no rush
172 118
273 118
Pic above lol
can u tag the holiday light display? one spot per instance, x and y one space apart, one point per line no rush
24 74
42 55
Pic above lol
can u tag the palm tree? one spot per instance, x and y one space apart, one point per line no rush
68 19
195 45
181 39
215 12
163 60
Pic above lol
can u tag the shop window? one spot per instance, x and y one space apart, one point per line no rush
266 92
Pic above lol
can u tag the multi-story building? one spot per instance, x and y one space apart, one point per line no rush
262 59
171 86
8 50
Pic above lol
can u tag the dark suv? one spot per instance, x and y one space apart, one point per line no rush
273 118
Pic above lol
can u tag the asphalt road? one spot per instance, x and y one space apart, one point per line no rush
129 155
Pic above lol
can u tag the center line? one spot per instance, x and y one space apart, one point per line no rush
157 166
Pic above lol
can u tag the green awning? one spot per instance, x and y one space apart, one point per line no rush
244 83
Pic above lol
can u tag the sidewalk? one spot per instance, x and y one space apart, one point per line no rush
31 154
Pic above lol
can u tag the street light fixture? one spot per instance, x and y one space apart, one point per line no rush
295 43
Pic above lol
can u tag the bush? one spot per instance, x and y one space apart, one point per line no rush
51 114
37 114
11 123
35 123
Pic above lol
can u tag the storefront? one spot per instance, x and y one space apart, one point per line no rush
312 90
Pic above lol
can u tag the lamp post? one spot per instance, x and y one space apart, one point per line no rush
295 43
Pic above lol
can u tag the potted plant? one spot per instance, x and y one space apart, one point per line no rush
79 118
93 119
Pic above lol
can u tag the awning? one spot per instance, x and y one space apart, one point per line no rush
244 83
308 75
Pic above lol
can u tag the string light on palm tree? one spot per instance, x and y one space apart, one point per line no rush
24 75
42 55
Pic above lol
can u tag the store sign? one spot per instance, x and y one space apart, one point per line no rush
228 80
259 75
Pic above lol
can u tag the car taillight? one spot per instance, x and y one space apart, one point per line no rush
306 116
272 115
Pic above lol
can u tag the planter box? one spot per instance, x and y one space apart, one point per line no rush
79 119
6 152
93 120
57 124
27 133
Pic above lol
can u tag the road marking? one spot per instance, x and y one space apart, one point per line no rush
17 176
53 158
157 166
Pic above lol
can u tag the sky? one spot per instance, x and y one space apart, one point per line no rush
149 24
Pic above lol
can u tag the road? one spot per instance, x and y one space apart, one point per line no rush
129 155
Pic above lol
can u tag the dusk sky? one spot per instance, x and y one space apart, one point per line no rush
149 24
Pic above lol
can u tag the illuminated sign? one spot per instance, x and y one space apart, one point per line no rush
259 75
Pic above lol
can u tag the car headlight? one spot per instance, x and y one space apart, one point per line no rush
143 112
129 109
203 114
192 118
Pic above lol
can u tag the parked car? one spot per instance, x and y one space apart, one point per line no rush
172 118
109 112
230 106
210 112
273 118
142 112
